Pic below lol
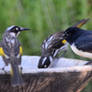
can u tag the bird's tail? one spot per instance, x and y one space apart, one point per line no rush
16 77
81 23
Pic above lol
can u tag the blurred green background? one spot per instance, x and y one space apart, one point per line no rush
44 17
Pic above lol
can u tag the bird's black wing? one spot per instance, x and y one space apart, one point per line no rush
84 43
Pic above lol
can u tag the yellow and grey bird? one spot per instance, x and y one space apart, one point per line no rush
11 52
53 45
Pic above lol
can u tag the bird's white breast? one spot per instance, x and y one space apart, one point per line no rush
80 52
12 34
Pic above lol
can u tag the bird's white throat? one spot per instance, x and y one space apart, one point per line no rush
12 34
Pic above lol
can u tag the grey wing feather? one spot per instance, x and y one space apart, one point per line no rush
7 51
18 59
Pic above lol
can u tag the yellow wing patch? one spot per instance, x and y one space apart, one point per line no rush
82 22
64 41
20 50
2 51
79 25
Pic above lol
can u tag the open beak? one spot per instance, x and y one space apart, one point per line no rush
24 29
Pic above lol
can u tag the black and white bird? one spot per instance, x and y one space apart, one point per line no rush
80 41
53 45
11 52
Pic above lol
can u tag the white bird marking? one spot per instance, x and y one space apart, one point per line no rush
63 48
7 39
9 28
55 52
17 29
50 38
80 52
18 56
48 42
17 34
51 59
44 60
13 34
6 56
12 41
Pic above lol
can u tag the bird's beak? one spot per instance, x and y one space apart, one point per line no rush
24 29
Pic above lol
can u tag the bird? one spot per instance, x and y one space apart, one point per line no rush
54 44
80 41
11 52
49 49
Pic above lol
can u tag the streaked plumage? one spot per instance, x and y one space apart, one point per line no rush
53 45
50 47
11 51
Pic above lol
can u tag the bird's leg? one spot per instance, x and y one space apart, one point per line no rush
21 68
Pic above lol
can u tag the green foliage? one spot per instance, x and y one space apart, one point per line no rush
44 17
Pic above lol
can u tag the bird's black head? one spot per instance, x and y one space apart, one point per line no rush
45 61
16 29
71 34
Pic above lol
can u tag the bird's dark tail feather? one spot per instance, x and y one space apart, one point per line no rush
81 23
16 77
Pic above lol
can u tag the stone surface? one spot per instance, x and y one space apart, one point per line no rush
64 75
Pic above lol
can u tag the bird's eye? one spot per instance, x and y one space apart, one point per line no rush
66 34
16 28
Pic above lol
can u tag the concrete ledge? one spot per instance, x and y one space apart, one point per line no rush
64 75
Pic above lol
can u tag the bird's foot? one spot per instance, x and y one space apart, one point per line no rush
21 68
